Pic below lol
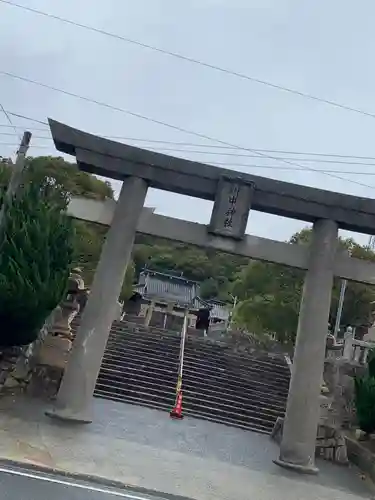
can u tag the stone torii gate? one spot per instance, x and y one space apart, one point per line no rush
234 194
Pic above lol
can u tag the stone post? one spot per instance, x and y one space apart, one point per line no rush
149 313
348 344
74 399
297 450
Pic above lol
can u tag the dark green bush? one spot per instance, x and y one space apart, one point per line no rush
371 363
35 258
365 403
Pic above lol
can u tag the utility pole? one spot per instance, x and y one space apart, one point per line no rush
15 179
340 305
340 308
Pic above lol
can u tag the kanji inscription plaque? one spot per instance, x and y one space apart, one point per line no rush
231 208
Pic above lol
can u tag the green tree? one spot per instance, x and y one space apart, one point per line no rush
215 270
35 258
62 180
67 178
209 288
269 299
270 295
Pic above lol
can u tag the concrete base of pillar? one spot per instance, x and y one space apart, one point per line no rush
67 415
301 469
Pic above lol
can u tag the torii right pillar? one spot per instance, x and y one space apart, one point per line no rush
297 451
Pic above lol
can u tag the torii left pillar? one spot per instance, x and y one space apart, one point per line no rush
75 396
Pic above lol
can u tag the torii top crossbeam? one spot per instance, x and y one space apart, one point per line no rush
118 161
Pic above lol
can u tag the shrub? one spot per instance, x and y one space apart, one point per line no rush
35 258
371 363
365 403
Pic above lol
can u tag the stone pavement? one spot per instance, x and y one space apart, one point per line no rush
144 448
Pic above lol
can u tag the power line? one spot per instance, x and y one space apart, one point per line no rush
278 151
169 125
277 158
274 167
10 134
203 152
326 172
246 165
44 137
27 118
191 59
197 145
31 146
22 128
9 119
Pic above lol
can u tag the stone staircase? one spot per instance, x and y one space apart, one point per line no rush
140 367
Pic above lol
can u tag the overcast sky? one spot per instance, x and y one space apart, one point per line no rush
317 47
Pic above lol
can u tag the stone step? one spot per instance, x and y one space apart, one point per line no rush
229 376
248 391
202 407
204 360
133 369
194 394
125 338
192 383
192 379
194 400
264 429
244 416
121 329
221 378
150 394
264 371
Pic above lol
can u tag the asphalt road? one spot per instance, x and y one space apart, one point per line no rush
18 484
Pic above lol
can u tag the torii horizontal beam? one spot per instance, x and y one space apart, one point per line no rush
254 247
119 161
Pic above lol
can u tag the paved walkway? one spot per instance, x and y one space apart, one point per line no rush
144 448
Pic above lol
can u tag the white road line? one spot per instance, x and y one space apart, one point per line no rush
74 485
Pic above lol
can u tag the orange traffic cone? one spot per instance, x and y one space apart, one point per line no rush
176 412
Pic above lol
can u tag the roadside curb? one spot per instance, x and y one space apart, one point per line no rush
88 478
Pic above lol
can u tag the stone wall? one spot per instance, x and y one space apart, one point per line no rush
339 376
37 368
18 363
337 408
330 442
49 367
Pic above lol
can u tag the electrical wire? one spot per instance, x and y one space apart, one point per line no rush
192 144
10 124
191 59
169 125
203 152
9 119
22 128
243 165
27 118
